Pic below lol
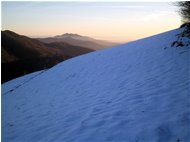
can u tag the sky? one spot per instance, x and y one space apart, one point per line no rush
115 21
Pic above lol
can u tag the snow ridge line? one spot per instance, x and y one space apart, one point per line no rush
24 82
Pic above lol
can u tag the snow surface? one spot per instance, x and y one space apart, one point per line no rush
14 84
130 93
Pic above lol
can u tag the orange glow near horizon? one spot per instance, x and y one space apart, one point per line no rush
118 22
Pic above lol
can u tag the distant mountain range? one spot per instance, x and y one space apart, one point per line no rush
79 40
21 55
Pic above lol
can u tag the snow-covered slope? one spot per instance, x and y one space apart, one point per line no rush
131 93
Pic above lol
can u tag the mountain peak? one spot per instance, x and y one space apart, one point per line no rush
9 32
79 40
68 35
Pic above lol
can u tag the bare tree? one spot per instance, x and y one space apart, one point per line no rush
184 10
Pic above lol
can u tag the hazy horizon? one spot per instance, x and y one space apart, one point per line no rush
114 21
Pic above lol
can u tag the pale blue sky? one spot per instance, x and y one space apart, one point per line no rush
117 21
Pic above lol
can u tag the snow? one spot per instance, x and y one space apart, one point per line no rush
12 85
136 92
